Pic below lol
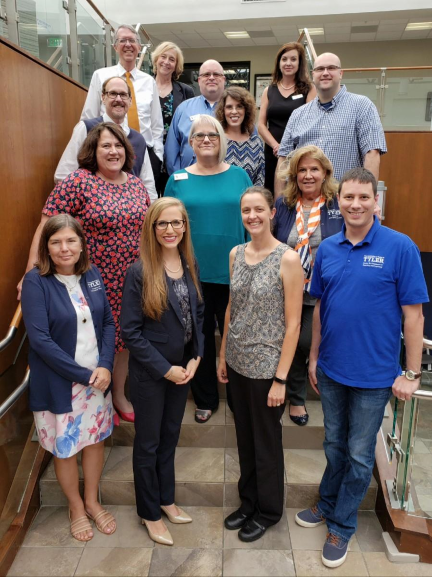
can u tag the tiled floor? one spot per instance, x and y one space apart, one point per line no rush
202 549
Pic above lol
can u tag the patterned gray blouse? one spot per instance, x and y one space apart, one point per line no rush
257 325
182 294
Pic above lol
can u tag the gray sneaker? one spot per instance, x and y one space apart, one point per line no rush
309 517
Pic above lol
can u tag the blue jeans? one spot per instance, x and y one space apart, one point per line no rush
352 419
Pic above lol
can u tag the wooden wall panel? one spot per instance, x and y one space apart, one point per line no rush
407 172
38 116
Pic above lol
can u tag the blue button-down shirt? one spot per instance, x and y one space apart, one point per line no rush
178 153
346 131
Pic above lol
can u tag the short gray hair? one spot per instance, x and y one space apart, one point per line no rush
128 27
207 119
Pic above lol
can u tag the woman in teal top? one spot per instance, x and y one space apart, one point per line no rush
211 191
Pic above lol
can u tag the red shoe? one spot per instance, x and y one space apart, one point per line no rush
116 420
128 417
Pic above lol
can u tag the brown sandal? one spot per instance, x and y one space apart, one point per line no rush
78 526
101 520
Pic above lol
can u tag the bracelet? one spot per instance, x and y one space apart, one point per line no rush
280 381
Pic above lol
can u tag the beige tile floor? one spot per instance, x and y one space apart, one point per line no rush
202 549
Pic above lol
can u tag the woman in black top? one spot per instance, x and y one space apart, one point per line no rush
290 89
168 64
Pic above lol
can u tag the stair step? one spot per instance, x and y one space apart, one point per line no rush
205 477
219 431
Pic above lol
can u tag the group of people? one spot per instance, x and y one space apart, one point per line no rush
301 278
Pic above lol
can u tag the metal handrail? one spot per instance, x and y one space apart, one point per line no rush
387 68
16 394
13 328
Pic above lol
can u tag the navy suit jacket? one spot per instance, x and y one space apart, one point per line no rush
155 346
51 323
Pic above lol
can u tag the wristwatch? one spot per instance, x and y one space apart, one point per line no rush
411 375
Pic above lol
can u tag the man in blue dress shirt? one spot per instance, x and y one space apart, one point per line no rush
211 80
365 278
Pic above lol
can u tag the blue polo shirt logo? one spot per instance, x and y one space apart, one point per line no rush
373 261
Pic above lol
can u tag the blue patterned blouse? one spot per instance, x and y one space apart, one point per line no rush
249 155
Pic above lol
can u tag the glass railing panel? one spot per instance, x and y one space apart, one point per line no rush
42 31
3 23
407 103
15 425
420 503
364 83
91 42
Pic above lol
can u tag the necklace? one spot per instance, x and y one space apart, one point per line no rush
307 205
70 288
286 87
174 271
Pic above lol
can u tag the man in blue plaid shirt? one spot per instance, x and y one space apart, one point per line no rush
345 126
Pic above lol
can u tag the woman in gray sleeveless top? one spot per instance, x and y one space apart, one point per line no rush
262 325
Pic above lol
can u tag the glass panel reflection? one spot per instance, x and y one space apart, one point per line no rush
91 42
407 103
364 83
3 23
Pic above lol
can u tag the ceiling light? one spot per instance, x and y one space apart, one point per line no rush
419 26
313 31
240 34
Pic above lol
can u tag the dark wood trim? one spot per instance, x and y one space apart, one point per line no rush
23 52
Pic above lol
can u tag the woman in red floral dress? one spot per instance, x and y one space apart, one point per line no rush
111 205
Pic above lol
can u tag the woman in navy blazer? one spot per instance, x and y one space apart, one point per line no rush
72 336
161 323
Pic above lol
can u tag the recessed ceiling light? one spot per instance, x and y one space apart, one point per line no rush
419 26
313 31
240 34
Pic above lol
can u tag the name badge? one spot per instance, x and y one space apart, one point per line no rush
297 96
181 176
194 117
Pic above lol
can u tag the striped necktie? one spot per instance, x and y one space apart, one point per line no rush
133 120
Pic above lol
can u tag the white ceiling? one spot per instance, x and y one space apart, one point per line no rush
274 31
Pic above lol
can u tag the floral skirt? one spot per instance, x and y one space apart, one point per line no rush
89 422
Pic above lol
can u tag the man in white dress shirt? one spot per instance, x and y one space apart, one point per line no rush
145 95
116 102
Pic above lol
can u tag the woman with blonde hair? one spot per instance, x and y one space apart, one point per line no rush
161 324
306 213
290 88
168 62
211 190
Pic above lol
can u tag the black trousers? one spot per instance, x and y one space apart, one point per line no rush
270 168
298 373
259 441
204 385
159 408
156 164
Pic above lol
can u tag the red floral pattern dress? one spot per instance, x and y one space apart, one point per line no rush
112 216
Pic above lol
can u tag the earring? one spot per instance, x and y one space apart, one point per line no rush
323 180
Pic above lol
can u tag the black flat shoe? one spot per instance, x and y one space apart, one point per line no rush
236 520
251 531
300 420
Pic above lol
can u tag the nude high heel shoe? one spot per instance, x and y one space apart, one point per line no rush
164 539
182 518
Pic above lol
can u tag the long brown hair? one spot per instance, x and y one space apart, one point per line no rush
155 289
288 170
53 225
302 80
243 97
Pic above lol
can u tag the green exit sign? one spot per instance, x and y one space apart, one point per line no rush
54 42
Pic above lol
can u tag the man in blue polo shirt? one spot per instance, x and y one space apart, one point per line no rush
365 278
211 80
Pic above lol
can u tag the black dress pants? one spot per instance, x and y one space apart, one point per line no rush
159 408
156 164
259 441
204 384
298 373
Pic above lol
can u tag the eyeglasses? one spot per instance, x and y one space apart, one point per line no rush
163 224
238 107
126 40
112 95
210 74
200 136
320 69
